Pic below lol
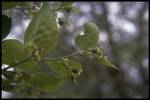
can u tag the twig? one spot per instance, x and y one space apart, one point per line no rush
67 56
42 59
23 61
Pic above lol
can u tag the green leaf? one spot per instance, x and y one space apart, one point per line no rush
58 67
7 86
25 5
74 64
13 79
6 25
61 5
13 52
62 67
66 4
90 37
94 52
9 75
9 5
71 9
107 63
28 67
16 76
74 10
42 31
45 82
90 27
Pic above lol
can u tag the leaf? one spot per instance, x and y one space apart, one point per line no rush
74 64
28 67
6 86
62 67
66 4
90 37
42 31
9 5
90 27
70 9
61 5
45 82
74 10
58 67
6 25
94 52
107 63
25 5
13 52
65 7
16 76
13 79
9 75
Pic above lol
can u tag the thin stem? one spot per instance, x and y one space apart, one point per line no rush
67 56
23 61
42 59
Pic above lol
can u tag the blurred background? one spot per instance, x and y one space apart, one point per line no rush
124 37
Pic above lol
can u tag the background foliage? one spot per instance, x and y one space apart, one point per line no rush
124 37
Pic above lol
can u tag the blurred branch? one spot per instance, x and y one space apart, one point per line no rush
140 40
108 29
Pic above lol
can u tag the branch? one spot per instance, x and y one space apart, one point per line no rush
23 61
67 56
42 59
